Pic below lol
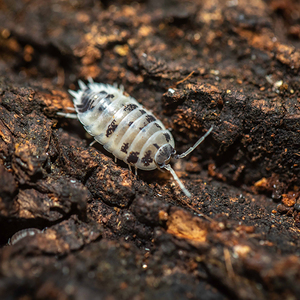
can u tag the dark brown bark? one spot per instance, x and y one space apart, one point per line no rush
107 234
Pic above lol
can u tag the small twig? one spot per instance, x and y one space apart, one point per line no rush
197 212
183 80
228 263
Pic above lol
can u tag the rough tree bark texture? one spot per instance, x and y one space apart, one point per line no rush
107 234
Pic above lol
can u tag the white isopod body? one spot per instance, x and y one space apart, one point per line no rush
125 128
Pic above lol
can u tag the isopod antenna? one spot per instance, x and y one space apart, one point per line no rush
169 168
191 149
183 188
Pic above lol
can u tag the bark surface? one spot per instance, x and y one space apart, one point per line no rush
107 234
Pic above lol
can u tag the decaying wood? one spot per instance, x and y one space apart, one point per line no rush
107 234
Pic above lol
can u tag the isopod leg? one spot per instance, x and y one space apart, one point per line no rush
135 171
70 108
116 159
92 143
129 166
67 115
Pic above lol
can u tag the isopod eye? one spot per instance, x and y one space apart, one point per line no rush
163 155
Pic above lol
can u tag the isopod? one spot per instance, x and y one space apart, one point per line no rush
126 129
23 234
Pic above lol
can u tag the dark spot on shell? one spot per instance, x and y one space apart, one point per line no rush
157 125
130 123
133 157
156 146
142 111
86 103
102 94
150 118
111 128
167 136
130 107
88 98
85 97
125 147
110 96
147 159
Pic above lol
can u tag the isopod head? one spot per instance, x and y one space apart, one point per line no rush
163 155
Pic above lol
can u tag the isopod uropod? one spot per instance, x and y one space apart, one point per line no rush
125 128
